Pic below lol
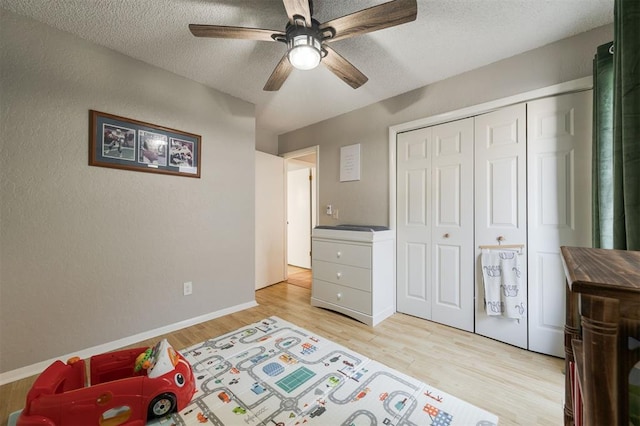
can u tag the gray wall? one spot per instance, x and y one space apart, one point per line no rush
266 141
367 201
90 255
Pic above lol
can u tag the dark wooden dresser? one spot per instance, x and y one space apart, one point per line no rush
602 313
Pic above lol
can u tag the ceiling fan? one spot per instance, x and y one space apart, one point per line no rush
307 39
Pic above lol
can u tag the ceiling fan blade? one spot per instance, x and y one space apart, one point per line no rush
298 7
219 31
375 18
279 75
343 68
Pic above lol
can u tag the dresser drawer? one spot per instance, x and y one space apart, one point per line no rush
346 275
348 297
347 254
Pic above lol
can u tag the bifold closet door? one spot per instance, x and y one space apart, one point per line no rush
413 227
559 192
501 207
435 223
452 224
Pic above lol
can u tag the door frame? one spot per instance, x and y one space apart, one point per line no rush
292 155
581 84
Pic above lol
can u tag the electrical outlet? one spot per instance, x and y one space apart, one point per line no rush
188 288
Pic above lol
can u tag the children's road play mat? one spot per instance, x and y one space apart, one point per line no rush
276 373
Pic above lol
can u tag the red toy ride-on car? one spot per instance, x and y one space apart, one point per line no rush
126 387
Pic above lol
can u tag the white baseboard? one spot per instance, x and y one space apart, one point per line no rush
30 370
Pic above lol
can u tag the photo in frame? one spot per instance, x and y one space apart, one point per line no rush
124 143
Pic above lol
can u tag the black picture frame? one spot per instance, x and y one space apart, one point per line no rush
123 143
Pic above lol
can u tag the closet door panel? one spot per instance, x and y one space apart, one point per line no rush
559 191
413 230
415 265
553 173
547 317
452 225
447 272
501 207
502 194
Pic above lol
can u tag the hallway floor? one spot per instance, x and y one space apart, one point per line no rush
300 277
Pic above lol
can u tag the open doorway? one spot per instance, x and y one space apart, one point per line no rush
301 212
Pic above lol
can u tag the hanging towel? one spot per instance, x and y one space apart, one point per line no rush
503 295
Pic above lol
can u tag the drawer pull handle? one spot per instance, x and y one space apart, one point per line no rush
338 254
339 296
446 235
339 274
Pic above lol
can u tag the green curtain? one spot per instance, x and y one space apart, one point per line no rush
616 163
626 126
603 147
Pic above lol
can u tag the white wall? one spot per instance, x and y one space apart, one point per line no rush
367 201
90 255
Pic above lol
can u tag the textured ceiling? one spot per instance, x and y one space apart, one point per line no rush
449 37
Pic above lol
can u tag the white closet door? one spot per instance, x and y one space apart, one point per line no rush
413 227
501 206
452 224
435 223
559 191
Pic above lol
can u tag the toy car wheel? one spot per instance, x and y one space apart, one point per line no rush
162 405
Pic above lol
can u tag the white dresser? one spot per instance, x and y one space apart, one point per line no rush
353 272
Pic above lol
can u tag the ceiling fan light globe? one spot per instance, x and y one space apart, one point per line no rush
304 52
304 57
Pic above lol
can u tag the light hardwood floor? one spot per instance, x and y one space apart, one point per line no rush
299 276
521 387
